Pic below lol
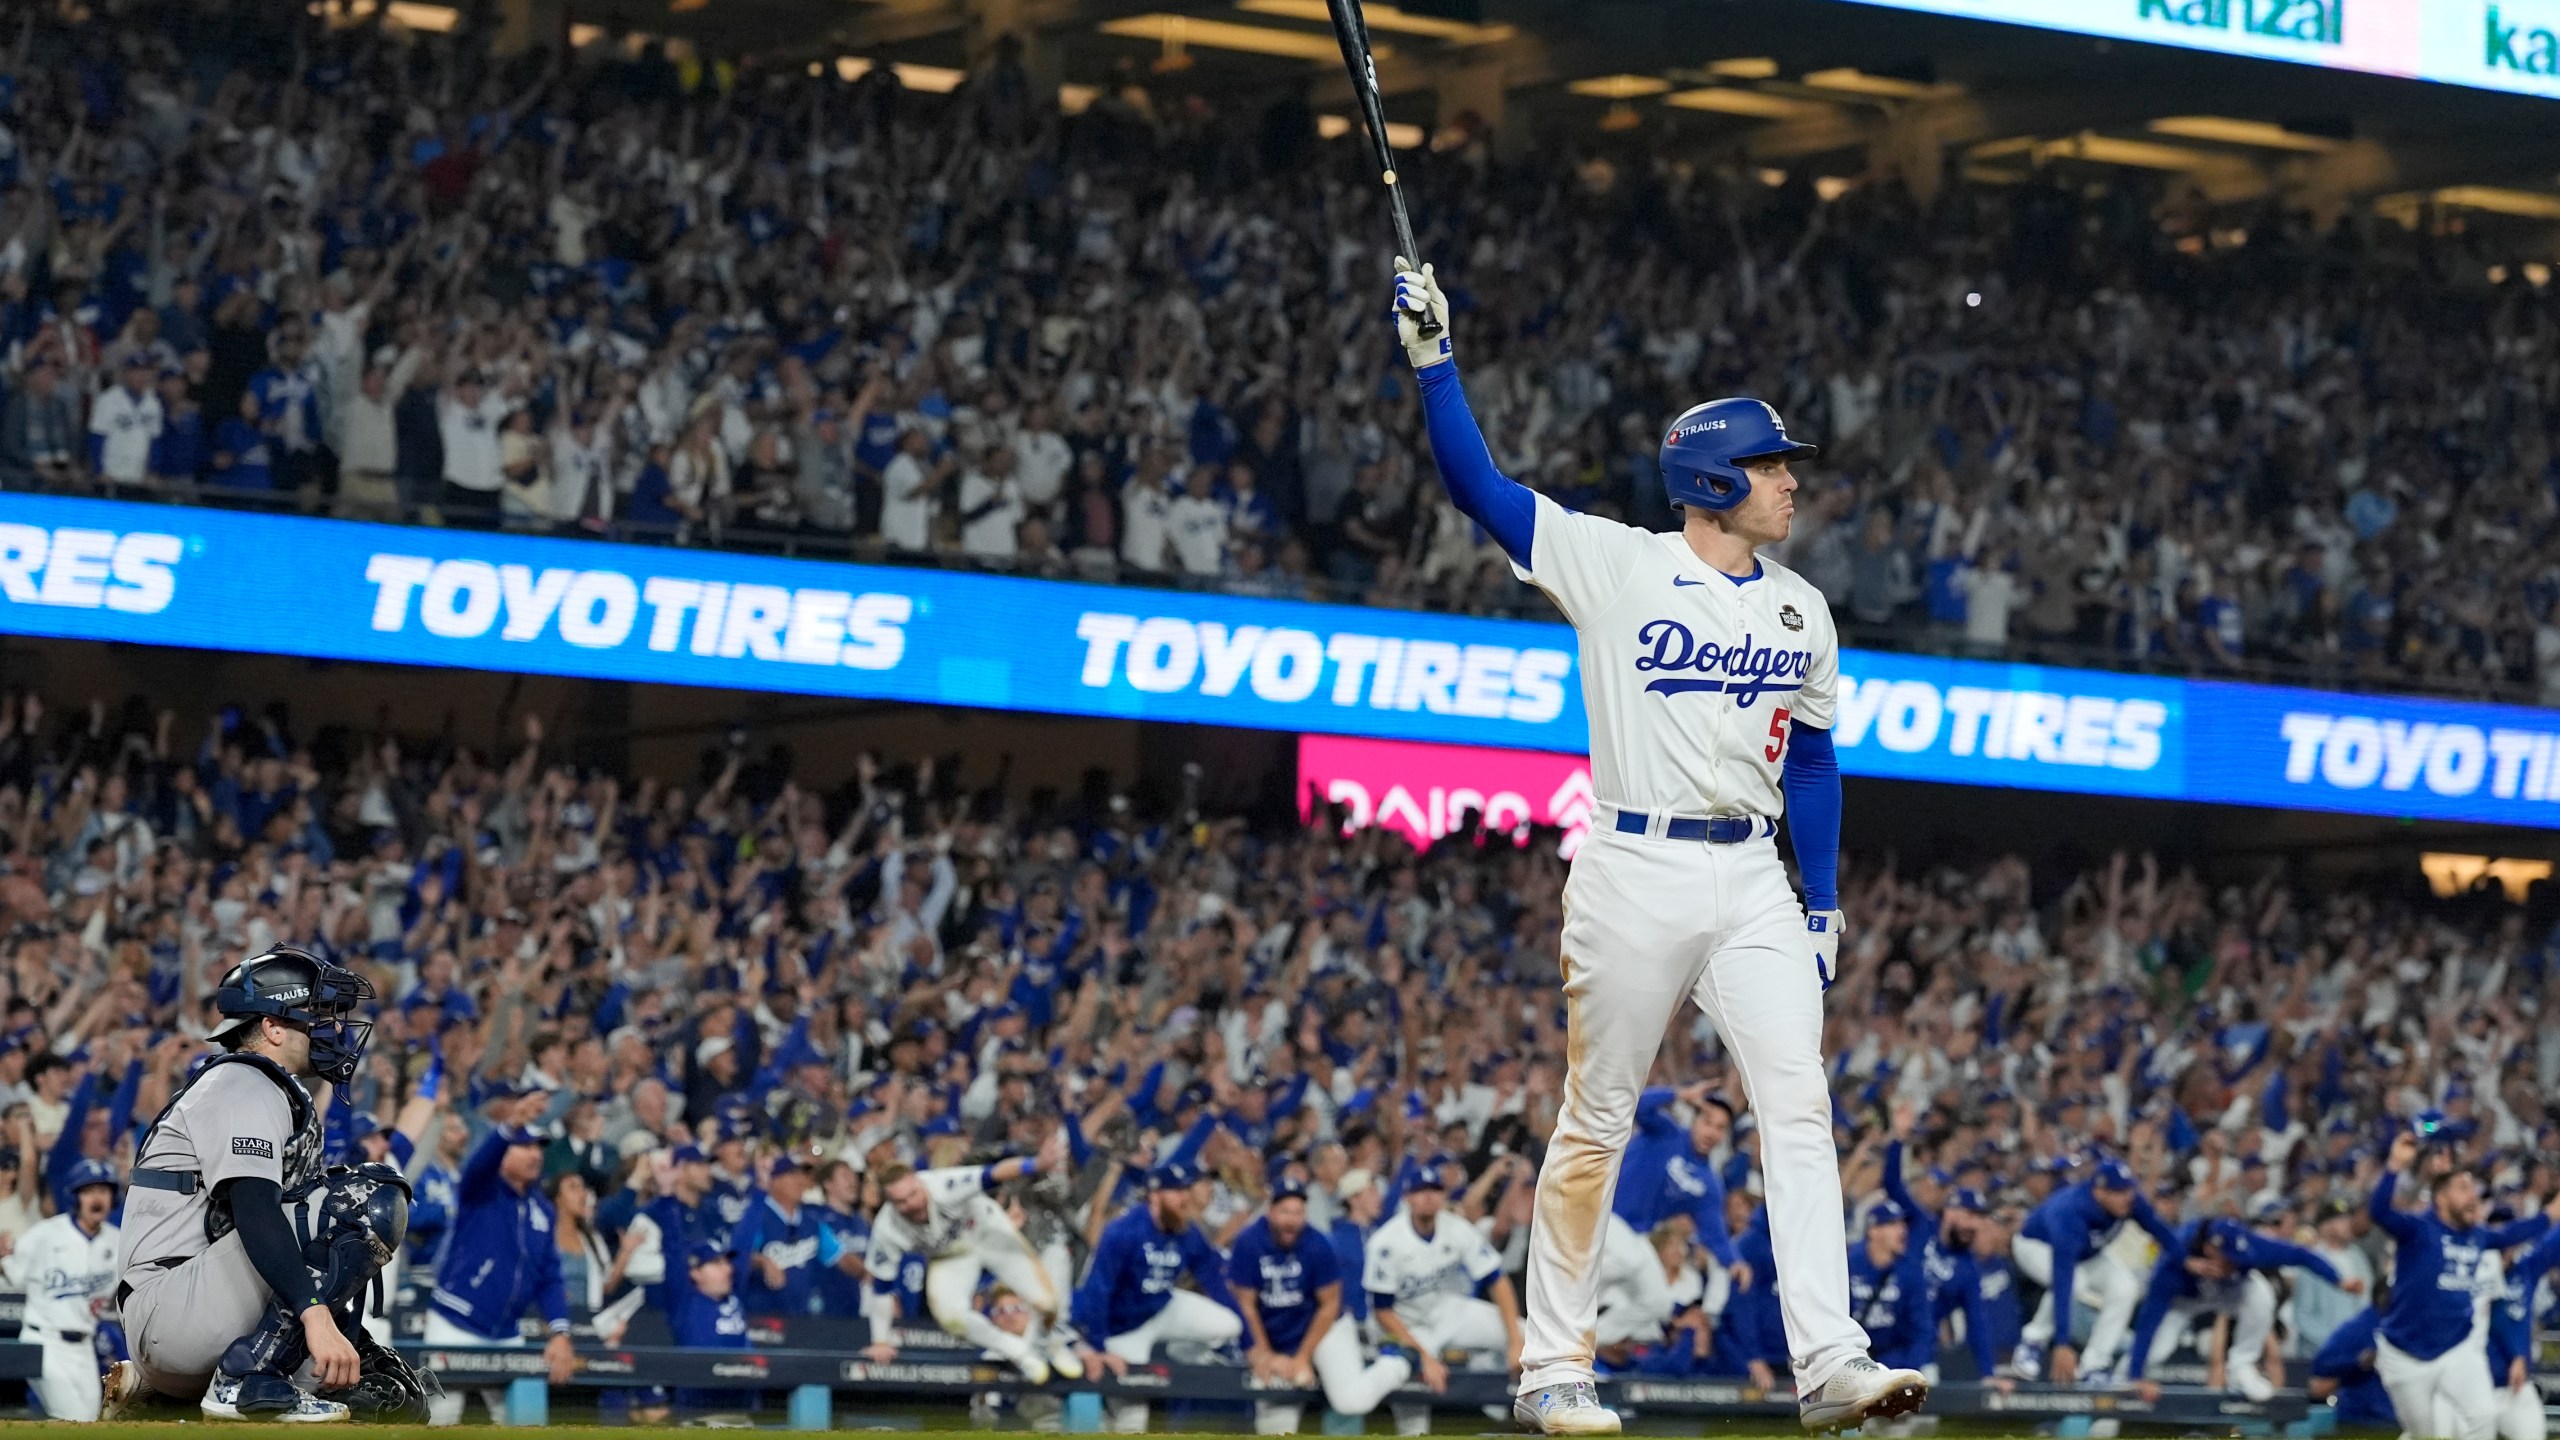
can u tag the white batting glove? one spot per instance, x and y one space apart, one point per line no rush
1421 307
1824 928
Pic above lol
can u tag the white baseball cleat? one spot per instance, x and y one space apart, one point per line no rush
118 1389
1571 1408
1860 1391
1033 1368
1064 1362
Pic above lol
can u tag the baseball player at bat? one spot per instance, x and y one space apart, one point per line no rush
1709 675
245 1262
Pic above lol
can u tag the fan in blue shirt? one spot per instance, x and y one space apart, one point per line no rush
780 1240
1288 1287
2435 1278
242 457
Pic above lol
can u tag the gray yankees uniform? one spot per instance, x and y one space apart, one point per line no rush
191 1290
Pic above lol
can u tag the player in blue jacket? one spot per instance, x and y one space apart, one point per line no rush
504 1257
1670 1169
1128 1301
2435 1276
2220 1270
708 1315
1950 1267
2063 1248
1288 1287
1889 1290
1751 1338
2343 1377
779 1242
2520 1411
676 1221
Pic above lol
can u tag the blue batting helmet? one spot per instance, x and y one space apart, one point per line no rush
1704 451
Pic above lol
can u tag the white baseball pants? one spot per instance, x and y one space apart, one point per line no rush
2520 1413
447 1408
1649 923
951 1290
2245 1366
68 1385
1185 1316
2448 1398
1449 1322
2253 1319
2100 1282
1353 1384
1635 1296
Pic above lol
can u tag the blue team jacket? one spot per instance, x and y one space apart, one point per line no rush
2077 1227
1663 1176
504 1254
1133 1270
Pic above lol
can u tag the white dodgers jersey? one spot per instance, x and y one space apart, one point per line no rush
959 1207
65 1273
1691 677
1422 1272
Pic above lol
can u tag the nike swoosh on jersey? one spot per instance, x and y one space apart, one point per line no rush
1685 580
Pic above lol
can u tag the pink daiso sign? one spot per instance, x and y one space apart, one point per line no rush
1423 791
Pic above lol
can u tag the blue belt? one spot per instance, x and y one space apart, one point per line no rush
1718 830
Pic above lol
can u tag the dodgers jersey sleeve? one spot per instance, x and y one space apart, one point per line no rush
1581 561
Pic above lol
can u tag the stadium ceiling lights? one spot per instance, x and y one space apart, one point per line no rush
1399 134
1851 81
1733 100
429 19
2523 204
1745 67
2108 150
1386 17
1181 30
2227 131
932 79
1619 87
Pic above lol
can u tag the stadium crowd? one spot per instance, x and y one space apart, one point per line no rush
717 1046
248 257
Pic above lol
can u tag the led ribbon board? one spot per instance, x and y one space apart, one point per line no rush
329 589
2509 45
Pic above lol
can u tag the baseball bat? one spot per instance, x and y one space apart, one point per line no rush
1351 31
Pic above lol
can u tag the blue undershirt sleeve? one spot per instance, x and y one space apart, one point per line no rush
1507 509
1812 785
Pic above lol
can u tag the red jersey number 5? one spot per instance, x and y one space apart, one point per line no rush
1777 736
